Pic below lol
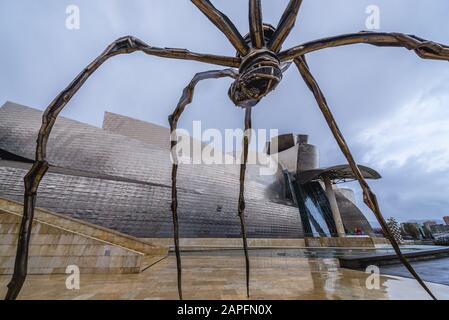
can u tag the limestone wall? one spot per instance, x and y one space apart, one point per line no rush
87 229
345 242
57 242
191 243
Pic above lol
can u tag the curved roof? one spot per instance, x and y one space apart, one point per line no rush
340 172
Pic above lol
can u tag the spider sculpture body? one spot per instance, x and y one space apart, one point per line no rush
256 69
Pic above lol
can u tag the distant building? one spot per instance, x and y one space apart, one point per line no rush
428 224
446 220
427 228
412 231
440 231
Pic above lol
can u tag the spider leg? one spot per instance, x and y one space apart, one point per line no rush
423 48
224 24
186 98
32 180
369 197
256 24
241 208
285 25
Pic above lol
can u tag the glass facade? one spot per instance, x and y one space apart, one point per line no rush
314 207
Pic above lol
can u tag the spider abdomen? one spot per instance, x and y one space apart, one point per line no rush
260 73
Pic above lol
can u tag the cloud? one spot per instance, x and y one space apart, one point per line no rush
417 130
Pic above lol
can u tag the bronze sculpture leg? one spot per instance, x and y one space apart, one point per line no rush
285 25
425 49
256 24
32 180
241 209
186 98
225 25
369 197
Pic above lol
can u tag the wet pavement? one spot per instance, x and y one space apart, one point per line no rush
294 274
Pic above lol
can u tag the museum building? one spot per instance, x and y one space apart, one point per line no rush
119 177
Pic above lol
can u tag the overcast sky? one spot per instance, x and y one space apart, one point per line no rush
392 106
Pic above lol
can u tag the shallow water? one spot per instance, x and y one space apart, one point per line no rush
299 252
436 271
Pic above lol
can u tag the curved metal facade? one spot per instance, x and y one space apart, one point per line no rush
351 215
124 184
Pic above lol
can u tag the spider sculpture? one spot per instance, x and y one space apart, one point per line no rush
256 69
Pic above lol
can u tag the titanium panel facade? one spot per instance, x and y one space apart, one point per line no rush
124 184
